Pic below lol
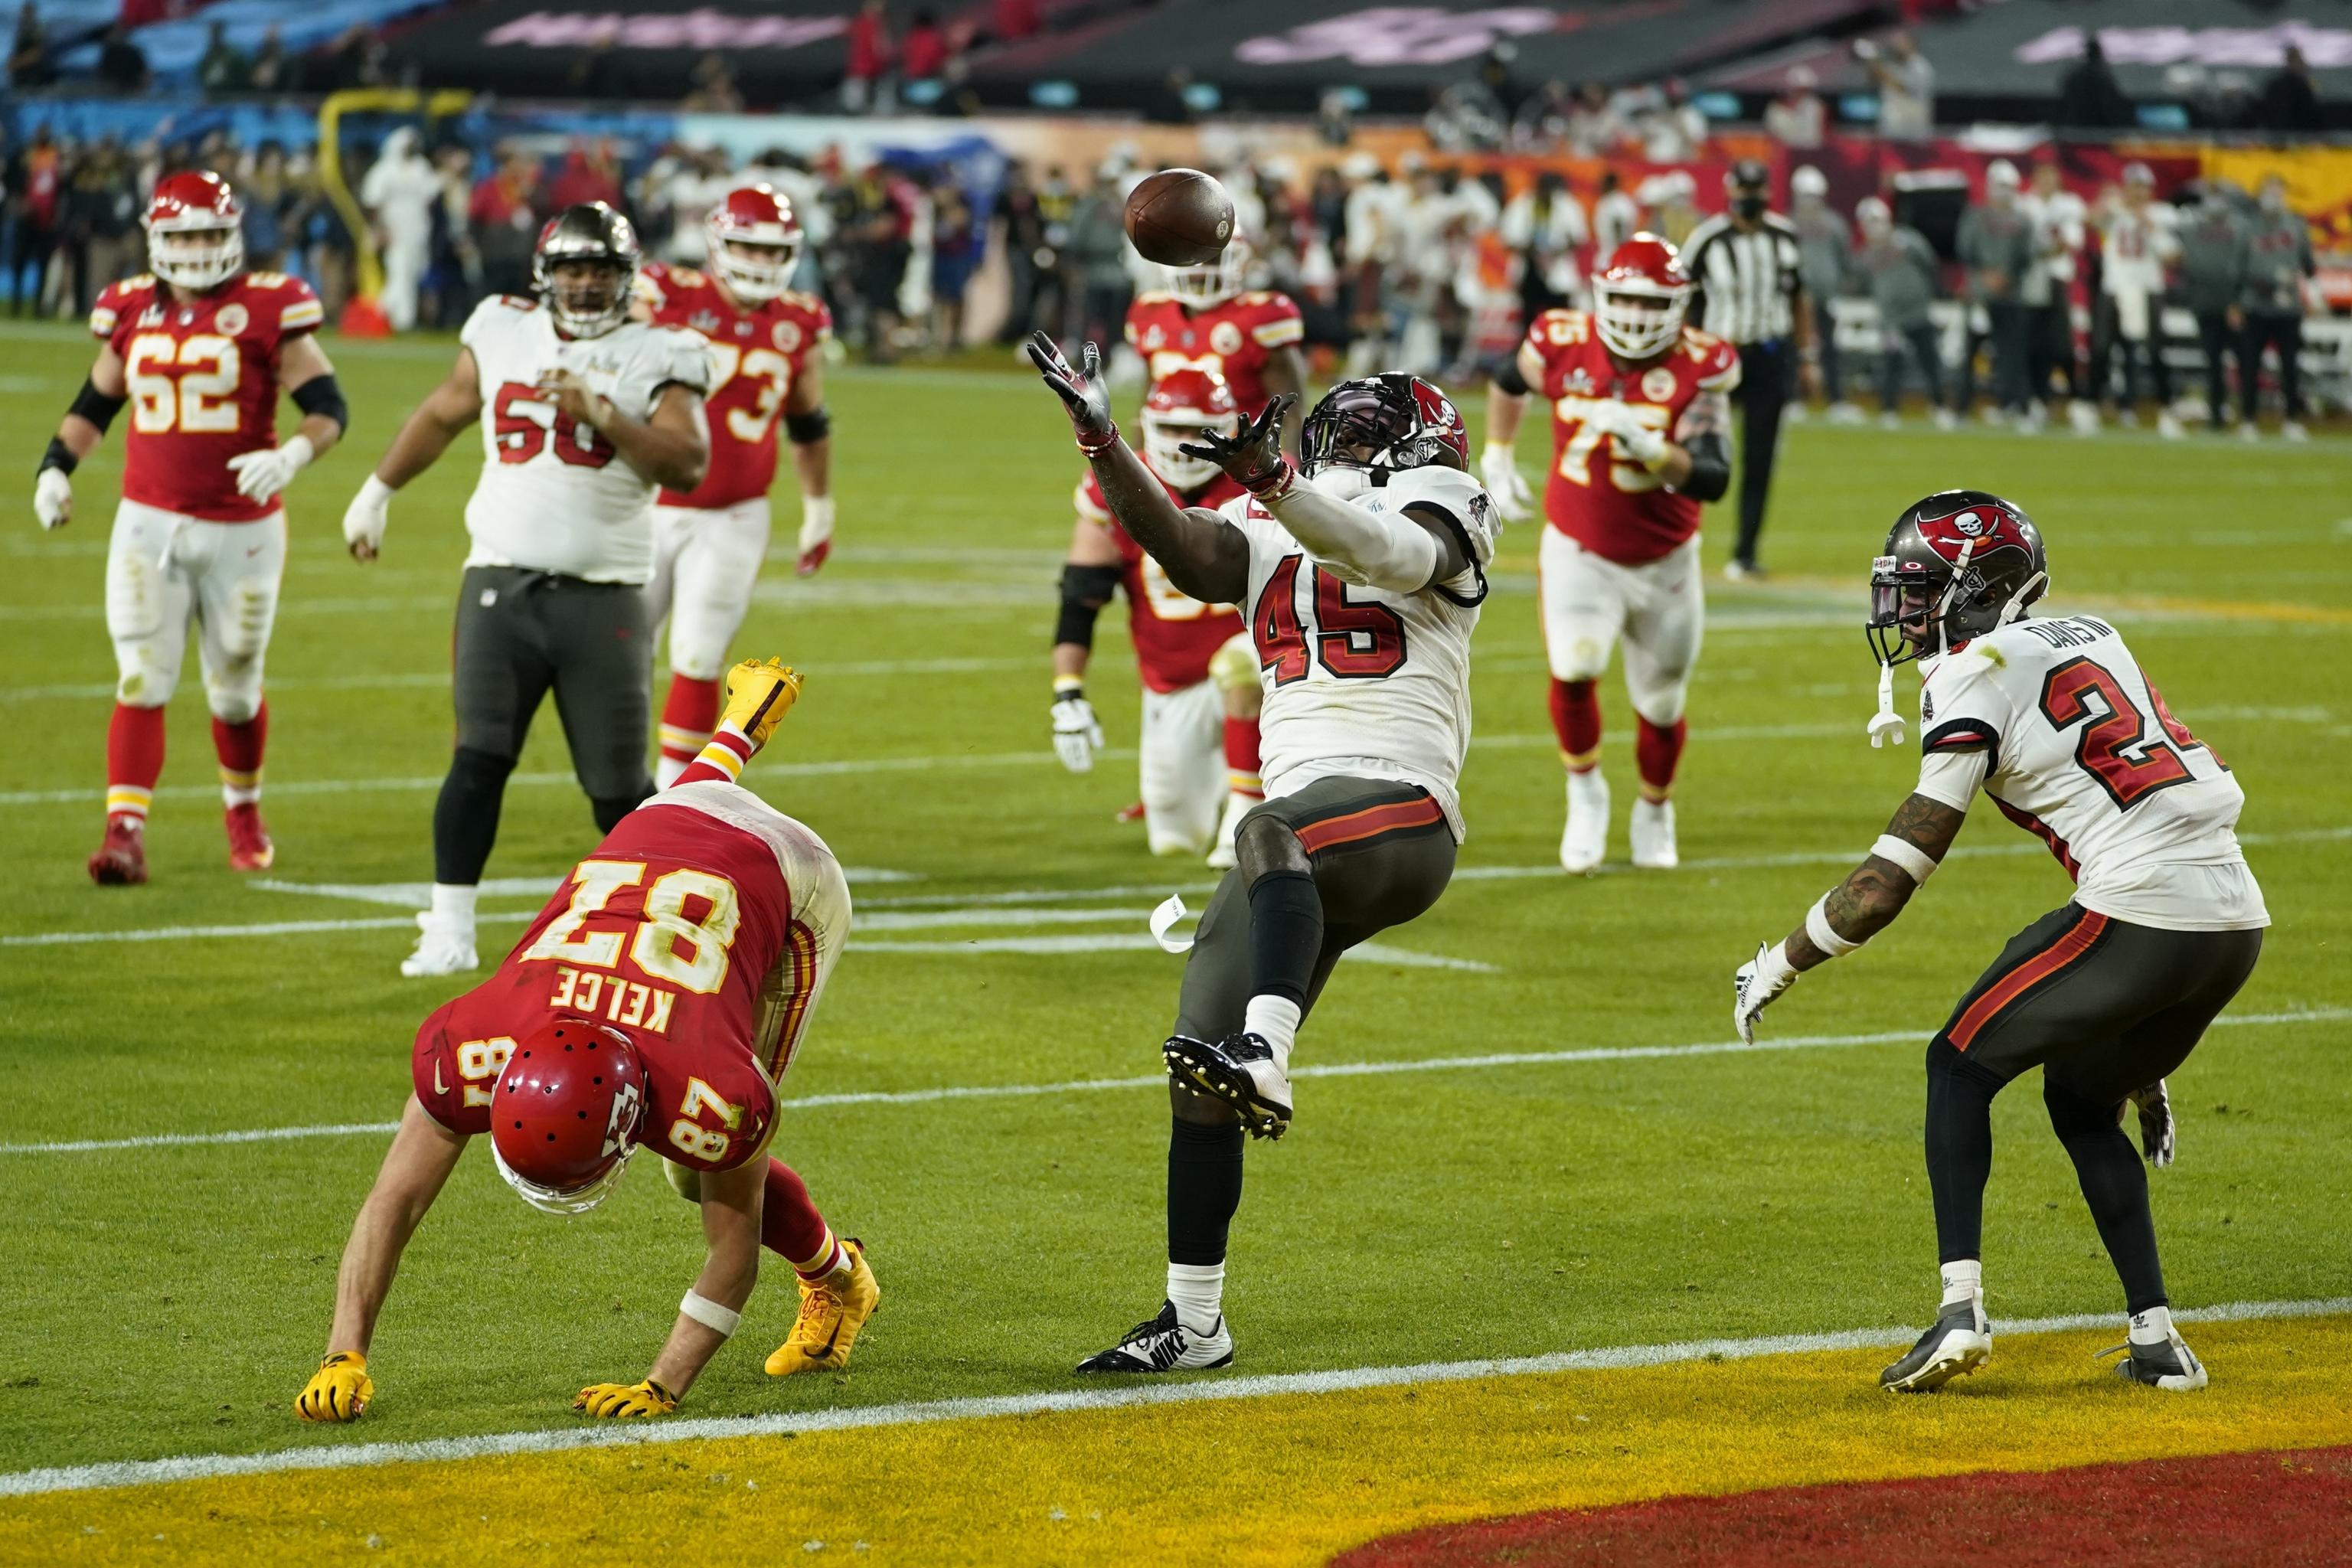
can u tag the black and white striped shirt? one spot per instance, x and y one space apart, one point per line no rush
1746 281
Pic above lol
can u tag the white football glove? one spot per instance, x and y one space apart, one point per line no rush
1758 980
816 534
53 497
2156 1124
262 474
1500 474
1633 438
365 519
1078 734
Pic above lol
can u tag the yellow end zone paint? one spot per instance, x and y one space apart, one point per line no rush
1278 1480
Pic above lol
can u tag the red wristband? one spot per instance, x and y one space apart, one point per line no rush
1110 439
1273 484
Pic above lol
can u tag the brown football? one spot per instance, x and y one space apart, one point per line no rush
1180 217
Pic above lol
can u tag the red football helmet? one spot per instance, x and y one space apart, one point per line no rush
195 230
1182 405
1638 298
565 1112
755 242
1383 424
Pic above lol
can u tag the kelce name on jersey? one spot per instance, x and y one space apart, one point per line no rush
2070 631
626 1002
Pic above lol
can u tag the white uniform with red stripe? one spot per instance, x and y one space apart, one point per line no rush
1361 682
2056 722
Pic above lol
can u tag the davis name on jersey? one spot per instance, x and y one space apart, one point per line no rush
1233 338
756 353
2076 745
553 495
1175 634
201 377
1610 505
1361 682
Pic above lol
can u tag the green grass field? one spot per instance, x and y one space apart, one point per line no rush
169 1300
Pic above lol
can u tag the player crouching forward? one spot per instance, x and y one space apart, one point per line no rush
1200 742
765 358
1620 556
2057 722
657 1000
1363 572
200 350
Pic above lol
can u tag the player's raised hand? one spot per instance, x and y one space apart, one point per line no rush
53 497
339 1391
365 519
1083 391
626 1399
1252 456
1755 984
1078 734
1624 428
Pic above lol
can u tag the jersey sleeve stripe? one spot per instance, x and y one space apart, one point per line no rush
101 323
1275 334
1962 735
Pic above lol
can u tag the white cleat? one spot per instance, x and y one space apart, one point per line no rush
1890 420
2250 431
2167 1365
2293 431
1947 420
443 947
2167 425
2084 416
1653 835
1845 413
1959 1342
1585 841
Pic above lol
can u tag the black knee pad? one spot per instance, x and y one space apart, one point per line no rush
610 809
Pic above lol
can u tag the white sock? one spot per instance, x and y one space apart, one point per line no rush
666 770
1198 1292
2153 1327
453 905
1275 1020
1963 1280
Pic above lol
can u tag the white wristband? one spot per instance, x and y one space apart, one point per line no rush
816 520
1916 863
719 1319
300 448
1823 936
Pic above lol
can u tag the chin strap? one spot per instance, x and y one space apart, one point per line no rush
1888 724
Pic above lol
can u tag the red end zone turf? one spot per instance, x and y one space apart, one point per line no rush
2222 1510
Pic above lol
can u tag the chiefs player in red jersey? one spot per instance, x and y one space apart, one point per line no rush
200 349
766 360
1621 557
1199 748
658 1001
1208 318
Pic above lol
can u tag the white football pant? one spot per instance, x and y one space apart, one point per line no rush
163 569
705 563
1182 765
1658 607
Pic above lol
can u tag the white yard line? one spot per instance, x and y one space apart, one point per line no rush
1195 1390
432 678
1149 1080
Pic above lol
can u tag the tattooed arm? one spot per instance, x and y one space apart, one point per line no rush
1867 902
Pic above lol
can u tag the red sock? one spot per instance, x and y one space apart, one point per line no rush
688 717
134 760
1656 751
1575 720
1241 759
239 748
791 1227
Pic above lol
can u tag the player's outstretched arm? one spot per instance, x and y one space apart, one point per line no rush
711 1308
671 445
1856 910
415 1167
1506 404
447 410
306 376
1204 555
808 427
79 433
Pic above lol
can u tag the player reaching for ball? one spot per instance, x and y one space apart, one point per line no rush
1360 573
766 344
656 1001
1198 752
2057 722
1639 404
200 349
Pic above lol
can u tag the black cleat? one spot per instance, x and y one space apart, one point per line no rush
2169 1364
1960 1343
1242 1071
1164 1344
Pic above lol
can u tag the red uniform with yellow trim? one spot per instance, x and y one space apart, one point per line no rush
201 378
1233 338
1175 634
757 352
703 927
1608 504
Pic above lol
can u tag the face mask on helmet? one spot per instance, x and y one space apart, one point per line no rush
1163 435
564 1200
1376 427
1637 324
1749 204
195 257
1925 599
587 296
1220 281
754 273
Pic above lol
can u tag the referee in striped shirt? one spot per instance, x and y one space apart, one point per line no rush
1744 265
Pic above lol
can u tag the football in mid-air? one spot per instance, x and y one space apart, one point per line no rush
1180 217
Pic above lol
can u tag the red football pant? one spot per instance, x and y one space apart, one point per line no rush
1576 721
1242 758
239 748
688 716
1658 750
134 760
791 1226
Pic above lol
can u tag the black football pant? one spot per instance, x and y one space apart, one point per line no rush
2283 333
1765 371
2107 339
2104 1007
2004 334
2214 340
2050 347
1927 349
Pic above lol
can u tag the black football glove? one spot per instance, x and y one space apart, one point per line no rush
1251 457
1082 391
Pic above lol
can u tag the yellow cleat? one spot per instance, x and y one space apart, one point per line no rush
832 1310
759 692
